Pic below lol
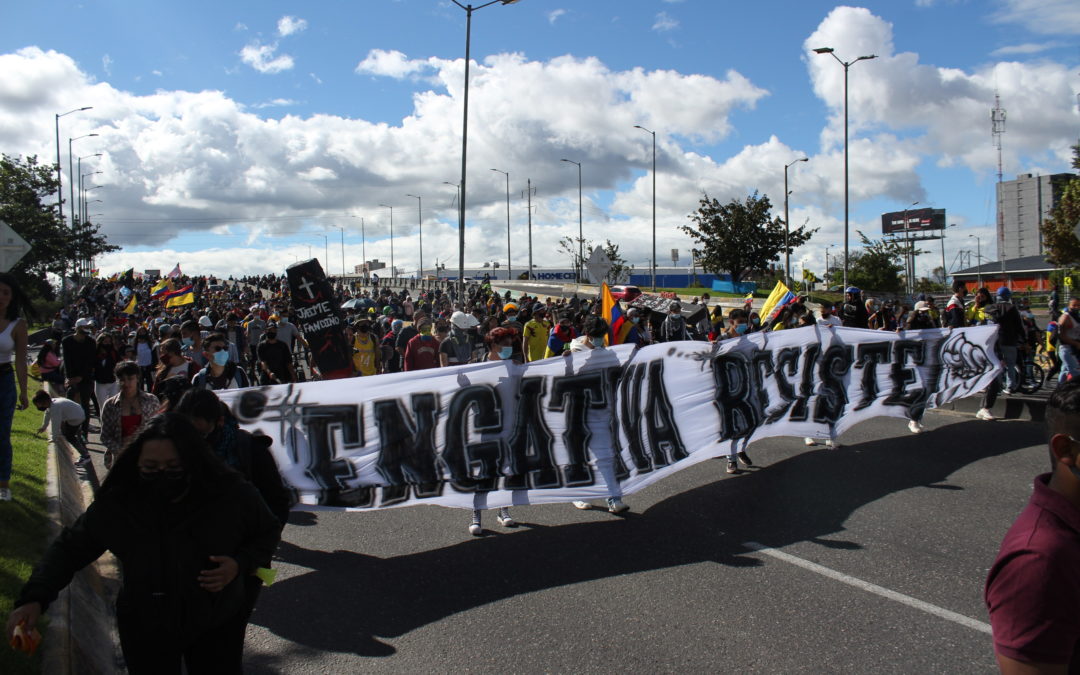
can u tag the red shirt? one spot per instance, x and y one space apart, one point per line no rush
1033 589
422 352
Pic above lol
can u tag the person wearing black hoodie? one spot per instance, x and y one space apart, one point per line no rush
189 533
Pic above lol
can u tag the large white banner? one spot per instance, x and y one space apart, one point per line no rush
600 423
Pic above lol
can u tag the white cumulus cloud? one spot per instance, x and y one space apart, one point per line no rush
664 22
264 58
287 25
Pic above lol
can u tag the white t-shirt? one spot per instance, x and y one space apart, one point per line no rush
65 411
831 320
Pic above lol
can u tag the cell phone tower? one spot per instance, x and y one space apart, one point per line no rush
997 128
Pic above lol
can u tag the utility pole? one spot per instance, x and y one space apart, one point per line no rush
528 194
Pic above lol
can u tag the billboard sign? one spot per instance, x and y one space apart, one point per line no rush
912 220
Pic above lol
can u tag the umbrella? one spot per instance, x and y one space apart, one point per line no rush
351 304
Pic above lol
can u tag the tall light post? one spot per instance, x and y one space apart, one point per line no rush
59 179
363 249
978 258
653 265
509 268
909 261
342 253
393 270
581 236
420 224
846 65
71 188
326 251
787 228
469 9
944 269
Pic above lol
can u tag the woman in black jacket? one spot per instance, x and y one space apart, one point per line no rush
189 532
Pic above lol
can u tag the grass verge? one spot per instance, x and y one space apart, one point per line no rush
23 528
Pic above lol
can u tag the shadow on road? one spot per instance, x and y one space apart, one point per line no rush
350 600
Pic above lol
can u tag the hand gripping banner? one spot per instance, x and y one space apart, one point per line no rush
600 423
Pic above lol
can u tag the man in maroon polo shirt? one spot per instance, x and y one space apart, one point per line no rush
1033 590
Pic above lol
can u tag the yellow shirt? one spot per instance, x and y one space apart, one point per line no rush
535 339
365 354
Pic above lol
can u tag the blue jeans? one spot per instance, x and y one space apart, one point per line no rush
1070 364
1012 375
7 414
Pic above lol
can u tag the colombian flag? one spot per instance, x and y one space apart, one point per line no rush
160 287
180 297
780 296
618 326
130 309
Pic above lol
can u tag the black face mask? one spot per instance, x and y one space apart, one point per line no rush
162 487
271 334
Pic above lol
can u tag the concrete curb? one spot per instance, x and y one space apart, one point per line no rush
81 637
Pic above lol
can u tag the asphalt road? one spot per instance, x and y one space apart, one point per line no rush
675 585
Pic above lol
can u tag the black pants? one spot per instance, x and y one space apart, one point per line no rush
82 393
220 650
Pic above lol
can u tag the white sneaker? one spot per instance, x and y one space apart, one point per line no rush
914 427
985 414
475 529
616 505
584 506
810 442
831 444
5 494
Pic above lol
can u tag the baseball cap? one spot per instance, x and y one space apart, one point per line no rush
922 306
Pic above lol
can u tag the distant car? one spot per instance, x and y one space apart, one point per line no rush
625 293
215 288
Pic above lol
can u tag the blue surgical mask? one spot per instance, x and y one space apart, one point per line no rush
634 319
187 342
222 357
506 352
740 328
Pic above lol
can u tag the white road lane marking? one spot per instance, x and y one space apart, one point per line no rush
941 612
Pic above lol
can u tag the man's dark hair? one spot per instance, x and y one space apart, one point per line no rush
216 337
201 403
1063 412
126 369
595 326
189 326
958 285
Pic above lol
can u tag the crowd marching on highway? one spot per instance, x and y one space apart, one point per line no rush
146 364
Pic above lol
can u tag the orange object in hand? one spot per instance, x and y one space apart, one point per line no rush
25 641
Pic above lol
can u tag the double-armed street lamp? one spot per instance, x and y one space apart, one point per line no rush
393 271
787 227
846 65
581 235
59 180
469 9
420 225
71 188
653 265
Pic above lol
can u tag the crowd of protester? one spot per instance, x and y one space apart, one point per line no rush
148 372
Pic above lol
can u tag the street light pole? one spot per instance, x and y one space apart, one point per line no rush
393 269
581 235
978 258
420 224
828 277
342 253
59 179
469 9
787 228
653 265
509 271
909 256
71 188
846 65
363 249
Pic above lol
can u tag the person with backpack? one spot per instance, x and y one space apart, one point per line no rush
1010 340
221 371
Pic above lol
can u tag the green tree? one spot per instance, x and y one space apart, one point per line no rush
1062 246
619 266
28 206
738 237
877 266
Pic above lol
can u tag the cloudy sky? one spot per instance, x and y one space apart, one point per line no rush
240 137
